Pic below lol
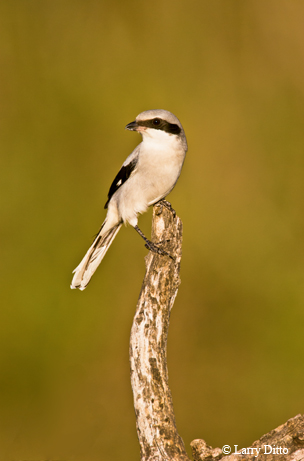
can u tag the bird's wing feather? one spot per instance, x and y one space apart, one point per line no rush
124 173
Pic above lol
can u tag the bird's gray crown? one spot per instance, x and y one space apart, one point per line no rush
160 119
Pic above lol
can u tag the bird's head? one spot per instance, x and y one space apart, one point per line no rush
158 124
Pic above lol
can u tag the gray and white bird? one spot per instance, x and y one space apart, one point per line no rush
146 177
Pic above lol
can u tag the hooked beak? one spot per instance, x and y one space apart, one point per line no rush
132 126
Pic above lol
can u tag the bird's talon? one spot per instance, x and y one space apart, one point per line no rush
155 249
162 242
168 205
159 210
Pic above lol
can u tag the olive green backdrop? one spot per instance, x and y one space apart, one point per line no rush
72 75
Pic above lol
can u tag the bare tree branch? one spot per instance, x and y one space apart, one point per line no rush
157 433
156 429
285 443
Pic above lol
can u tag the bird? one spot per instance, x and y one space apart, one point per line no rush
146 177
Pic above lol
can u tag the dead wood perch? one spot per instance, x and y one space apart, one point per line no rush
285 443
155 421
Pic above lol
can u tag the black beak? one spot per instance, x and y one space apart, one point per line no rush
132 126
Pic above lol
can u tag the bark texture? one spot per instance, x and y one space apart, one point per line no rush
155 421
285 443
157 433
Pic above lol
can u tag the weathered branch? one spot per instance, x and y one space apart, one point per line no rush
156 429
157 433
285 443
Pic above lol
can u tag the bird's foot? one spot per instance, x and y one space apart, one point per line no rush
167 205
156 249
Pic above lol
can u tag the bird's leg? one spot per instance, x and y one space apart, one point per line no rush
167 205
150 245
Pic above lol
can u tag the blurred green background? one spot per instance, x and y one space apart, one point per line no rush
72 75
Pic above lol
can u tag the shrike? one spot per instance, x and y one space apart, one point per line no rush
145 178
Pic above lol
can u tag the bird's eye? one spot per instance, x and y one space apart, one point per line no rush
156 121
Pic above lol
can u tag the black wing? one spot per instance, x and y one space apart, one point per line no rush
123 174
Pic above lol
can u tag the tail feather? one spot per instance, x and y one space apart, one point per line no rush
93 257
